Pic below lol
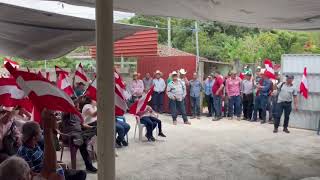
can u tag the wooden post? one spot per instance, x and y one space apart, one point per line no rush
105 83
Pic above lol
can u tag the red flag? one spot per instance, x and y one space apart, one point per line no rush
10 94
64 84
40 74
13 63
142 103
269 72
42 93
304 84
119 96
241 76
60 71
81 73
92 90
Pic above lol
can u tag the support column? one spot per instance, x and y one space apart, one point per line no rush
105 83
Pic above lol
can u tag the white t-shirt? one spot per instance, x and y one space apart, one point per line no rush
87 110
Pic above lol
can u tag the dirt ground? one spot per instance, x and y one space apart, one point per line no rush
223 150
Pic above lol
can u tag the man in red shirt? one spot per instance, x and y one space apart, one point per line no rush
217 92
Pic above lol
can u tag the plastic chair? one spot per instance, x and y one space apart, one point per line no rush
140 127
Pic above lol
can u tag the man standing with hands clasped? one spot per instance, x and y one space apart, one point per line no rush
286 94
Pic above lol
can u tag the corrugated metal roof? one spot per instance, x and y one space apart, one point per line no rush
164 51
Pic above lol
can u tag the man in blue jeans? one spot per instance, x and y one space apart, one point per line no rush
217 92
122 128
263 89
176 91
286 94
195 90
233 92
207 86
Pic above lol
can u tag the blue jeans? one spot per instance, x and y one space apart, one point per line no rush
122 128
157 101
285 107
234 106
176 106
217 104
147 121
261 103
195 105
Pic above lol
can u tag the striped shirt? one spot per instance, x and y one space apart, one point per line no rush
33 156
176 90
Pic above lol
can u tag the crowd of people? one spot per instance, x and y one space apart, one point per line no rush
242 96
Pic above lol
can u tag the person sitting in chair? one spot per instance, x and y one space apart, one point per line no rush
122 128
150 120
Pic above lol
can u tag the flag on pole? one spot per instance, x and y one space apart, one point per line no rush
142 103
304 89
60 71
10 94
269 72
119 96
13 63
81 73
64 84
41 92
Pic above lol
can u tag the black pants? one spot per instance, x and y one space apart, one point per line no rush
157 101
71 174
146 120
247 105
209 100
285 107
156 122
85 135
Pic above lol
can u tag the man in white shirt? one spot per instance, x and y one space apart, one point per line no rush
159 88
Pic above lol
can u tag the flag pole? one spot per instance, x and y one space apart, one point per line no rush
88 87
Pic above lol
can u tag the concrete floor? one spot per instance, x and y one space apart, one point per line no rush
223 150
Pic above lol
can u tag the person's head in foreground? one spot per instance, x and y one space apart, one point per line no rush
195 76
31 134
174 76
182 73
217 74
148 76
81 85
289 79
15 168
233 74
135 76
158 74
248 76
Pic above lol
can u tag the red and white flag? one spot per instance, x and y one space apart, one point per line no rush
92 90
42 93
10 94
304 89
119 96
64 84
60 71
13 63
269 72
81 73
142 103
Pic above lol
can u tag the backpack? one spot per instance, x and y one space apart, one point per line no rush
10 144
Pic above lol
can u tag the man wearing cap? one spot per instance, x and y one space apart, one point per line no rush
233 92
207 86
217 92
137 87
176 91
195 91
263 89
247 86
159 88
147 82
286 94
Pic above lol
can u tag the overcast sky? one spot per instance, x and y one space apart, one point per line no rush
63 8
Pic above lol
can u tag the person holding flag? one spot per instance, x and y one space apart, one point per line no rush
286 94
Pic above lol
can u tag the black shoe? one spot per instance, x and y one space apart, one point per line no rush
263 122
152 138
124 143
244 118
209 115
118 144
92 169
275 130
286 130
162 135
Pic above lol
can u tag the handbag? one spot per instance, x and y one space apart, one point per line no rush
10 144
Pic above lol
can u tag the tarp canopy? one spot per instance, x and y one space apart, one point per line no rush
38 35
280 14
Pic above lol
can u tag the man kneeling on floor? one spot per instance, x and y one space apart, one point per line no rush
150 120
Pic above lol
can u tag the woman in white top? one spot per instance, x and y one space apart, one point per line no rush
89 111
